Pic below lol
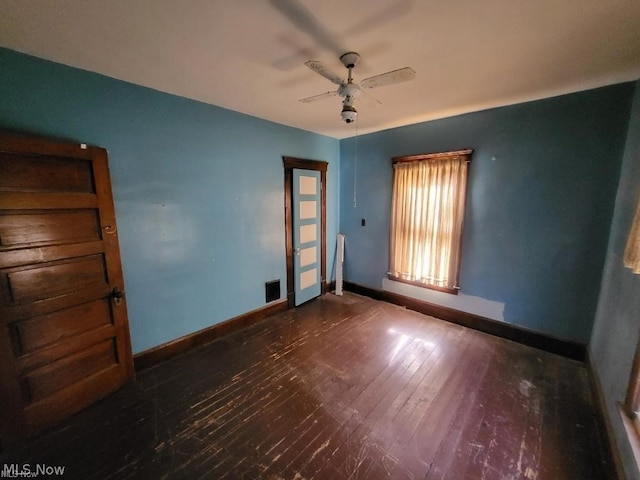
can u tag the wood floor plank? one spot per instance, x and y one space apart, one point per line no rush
340 388
360 437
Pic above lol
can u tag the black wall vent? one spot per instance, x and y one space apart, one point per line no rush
272 290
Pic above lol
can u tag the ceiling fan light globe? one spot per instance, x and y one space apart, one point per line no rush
348 114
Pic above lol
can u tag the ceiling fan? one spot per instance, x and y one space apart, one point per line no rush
348 89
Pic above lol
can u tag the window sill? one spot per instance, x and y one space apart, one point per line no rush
632 427
452 291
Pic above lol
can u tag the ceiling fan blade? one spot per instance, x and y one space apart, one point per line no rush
395 76
397 8
306 22
318 97
321 69
368 96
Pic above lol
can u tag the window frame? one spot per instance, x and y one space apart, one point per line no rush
433 157
631 403
630 408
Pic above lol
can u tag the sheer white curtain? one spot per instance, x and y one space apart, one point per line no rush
426 219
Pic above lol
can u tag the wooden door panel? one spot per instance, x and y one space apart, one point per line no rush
26 285
55 351
10 314
37 200
13 258
38 332
45 174
90 390
51 227
55 376
64 338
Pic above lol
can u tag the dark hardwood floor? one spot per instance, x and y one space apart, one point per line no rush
342 387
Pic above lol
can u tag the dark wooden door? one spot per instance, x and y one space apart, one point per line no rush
64 335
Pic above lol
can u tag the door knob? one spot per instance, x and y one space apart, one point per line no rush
117 295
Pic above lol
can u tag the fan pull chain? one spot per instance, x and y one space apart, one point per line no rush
355 170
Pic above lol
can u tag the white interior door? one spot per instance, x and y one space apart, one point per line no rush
307 234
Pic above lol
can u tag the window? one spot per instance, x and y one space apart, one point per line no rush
427 214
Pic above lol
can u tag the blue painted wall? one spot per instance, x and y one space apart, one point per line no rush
617 323
199 198
198 189
198 194
542 188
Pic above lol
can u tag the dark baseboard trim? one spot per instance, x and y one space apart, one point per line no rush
566 348
330 286
606 436
156 355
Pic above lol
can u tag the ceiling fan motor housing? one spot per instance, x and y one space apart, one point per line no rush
349 90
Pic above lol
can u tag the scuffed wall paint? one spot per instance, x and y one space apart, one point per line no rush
617 324
465 303
542 185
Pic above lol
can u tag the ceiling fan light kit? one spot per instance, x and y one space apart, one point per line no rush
348 113
348 89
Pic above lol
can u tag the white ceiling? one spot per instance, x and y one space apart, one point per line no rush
248 55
